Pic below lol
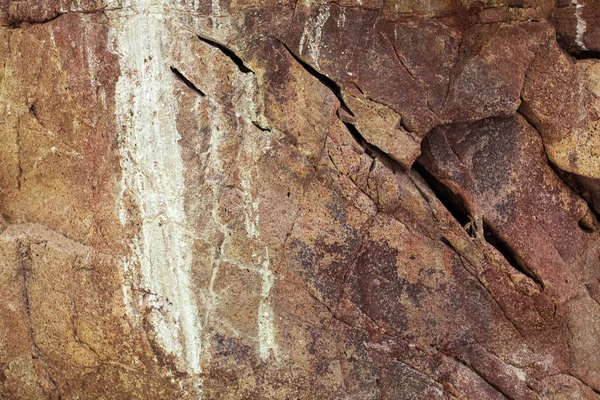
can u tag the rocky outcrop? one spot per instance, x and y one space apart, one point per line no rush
363 199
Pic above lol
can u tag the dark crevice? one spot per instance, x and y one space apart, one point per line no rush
449 245
324 79
229 53
564 176
449 199
404 126
186 81
22 23
346 115
456 206
358 88
585 226
25 22
33 110
509 254
256 124
589 222
373 151
572 182
586 55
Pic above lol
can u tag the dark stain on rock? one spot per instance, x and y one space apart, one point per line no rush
374 279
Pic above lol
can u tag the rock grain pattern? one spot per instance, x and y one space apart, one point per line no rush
294 199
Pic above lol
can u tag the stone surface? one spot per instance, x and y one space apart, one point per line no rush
343 199
576 25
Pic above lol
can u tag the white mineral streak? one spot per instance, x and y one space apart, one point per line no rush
216 8
266 327
254 144
341 22
216 167
159 266
254 147
266 324
581 25
313 33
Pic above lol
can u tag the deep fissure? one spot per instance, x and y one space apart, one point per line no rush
186 81
586 55
568 179
455 205
371 150
229 53
452 203
324 79
509 253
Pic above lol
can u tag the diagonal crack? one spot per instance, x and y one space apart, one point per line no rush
564 177
458 207
18 23
373 151
476 372
370 149
229 53
509 254
179 76
424 187
414 76
324 79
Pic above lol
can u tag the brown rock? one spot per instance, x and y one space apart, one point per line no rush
560 98
298 200
576 24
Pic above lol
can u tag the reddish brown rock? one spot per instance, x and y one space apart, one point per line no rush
577 25
524 208
290 200
560 98
38 11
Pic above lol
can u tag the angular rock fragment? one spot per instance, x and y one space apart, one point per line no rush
577 26
560 98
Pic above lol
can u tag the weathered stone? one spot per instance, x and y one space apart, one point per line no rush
350 199
577 25
561 99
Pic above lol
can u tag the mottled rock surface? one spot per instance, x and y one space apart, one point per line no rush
346 199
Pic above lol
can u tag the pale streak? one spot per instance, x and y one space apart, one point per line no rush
581 25
313 34
249 178
153 176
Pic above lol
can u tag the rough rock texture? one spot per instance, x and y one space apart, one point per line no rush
353 199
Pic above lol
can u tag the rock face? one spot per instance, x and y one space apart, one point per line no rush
354 199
